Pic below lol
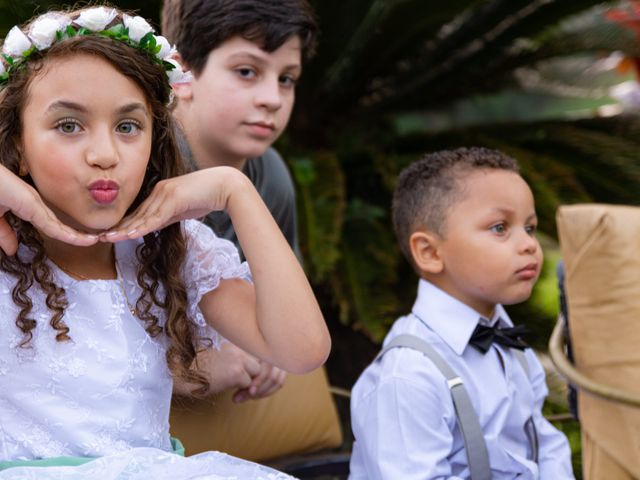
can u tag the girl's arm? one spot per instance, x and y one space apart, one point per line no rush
279 320
23 201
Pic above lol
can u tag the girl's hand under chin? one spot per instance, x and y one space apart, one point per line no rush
193 195
24 201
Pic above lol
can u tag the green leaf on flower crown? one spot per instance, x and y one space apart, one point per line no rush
27 53
148 40
83 31
168 66
70 31
119 30
60 35
4 77
8 59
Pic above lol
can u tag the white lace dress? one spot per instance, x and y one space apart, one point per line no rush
106 393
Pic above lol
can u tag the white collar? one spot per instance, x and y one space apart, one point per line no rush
452 320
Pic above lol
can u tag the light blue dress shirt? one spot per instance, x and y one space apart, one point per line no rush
403 418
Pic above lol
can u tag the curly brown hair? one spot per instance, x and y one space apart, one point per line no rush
161 254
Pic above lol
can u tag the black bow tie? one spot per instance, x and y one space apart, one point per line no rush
483 336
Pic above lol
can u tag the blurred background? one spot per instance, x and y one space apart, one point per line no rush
551 82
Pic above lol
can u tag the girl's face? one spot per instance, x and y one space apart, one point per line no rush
86 140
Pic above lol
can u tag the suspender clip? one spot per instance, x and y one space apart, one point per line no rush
454 382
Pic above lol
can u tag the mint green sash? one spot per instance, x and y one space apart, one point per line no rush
176 444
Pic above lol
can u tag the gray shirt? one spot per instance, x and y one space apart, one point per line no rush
270 176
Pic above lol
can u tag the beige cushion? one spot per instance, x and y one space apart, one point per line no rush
601 250
301 417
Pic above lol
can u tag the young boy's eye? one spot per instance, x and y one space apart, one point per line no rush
246 72
68 126
288 81
128 128
499 228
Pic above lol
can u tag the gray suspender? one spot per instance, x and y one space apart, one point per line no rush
474 444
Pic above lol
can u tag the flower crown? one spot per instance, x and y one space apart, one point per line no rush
54 27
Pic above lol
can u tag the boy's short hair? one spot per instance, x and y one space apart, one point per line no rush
426 189
197 27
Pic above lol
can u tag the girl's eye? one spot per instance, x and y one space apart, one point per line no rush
68 126
128 128
288 81
499 228
246 72
531 229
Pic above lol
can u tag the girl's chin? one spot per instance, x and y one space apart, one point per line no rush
93 228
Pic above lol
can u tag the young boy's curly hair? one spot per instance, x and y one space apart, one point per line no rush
197 27
427 188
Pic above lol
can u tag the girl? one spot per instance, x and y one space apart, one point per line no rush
94 325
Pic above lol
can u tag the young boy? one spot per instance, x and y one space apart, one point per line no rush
466 221
246 57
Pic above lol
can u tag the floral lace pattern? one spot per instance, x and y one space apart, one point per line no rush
108 389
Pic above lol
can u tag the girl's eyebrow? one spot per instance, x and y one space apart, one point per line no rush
132 107
67 105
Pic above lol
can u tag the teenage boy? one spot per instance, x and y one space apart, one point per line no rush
246 57
456 393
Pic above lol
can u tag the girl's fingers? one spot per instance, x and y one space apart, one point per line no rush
8 238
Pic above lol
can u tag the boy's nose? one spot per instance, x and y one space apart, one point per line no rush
528 243
102 151
269 95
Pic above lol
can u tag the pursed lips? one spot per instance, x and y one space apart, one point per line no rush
104 191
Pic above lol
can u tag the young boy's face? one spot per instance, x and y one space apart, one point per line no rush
242 100
489 252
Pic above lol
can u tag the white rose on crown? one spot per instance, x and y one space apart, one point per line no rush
137 26
165 47
16 43
177 75
96 19
43 31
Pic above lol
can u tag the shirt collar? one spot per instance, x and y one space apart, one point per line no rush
449 318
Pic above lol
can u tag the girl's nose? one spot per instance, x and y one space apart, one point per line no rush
102 151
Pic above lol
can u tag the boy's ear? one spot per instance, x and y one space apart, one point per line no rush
424 250
181 90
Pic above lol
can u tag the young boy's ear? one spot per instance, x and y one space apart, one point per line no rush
424 250
182 90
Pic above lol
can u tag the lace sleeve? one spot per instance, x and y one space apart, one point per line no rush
209 260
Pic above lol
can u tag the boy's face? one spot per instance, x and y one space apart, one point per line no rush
242 100
490 253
